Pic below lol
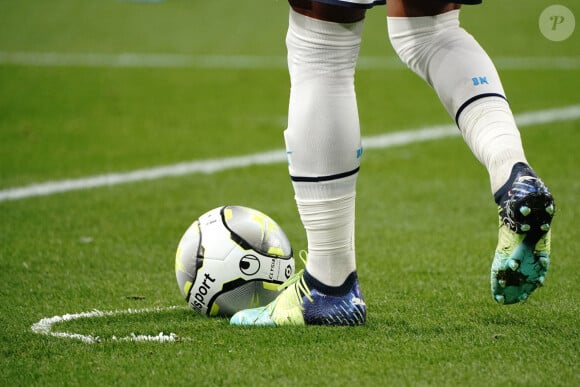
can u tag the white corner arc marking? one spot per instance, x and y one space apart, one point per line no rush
45 325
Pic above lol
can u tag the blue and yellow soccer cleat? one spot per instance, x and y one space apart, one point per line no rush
301 304
522 256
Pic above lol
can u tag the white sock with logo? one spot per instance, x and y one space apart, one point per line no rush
467 83
323 140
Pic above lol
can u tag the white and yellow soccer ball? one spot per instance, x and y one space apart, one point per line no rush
232 258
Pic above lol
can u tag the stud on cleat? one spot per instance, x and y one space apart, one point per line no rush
523 297
545 227
513 264
499 299
525 227
550 209
541 281
545 262
525 210
502 283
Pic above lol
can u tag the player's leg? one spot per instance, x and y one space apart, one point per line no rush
323 134
324 149
428 38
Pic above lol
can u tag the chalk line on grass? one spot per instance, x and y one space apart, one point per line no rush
210 166
244 62
45 327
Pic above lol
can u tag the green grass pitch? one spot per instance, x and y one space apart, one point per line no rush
426 225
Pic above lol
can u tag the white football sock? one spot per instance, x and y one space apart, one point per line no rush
467 83
488 127
329 226
323 140
446 56
323 135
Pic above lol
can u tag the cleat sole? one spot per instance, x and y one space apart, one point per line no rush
522 256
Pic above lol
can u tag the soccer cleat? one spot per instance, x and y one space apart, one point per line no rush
301 304
522 256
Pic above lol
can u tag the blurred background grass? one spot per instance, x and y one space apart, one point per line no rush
426 222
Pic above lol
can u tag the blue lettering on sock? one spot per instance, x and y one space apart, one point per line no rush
479 81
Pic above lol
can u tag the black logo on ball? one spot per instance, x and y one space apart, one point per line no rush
249 265
288 271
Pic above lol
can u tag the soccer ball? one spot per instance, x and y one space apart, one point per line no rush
232 258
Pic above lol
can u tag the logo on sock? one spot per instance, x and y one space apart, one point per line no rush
477 81
288 153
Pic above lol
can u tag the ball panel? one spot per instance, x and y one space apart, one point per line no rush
215 237
255 230
186 259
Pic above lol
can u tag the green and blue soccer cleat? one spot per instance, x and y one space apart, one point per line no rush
522 256
305 301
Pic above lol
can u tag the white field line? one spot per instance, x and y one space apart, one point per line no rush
45 325
63 59
211 166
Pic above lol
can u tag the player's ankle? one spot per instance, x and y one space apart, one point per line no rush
338 291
